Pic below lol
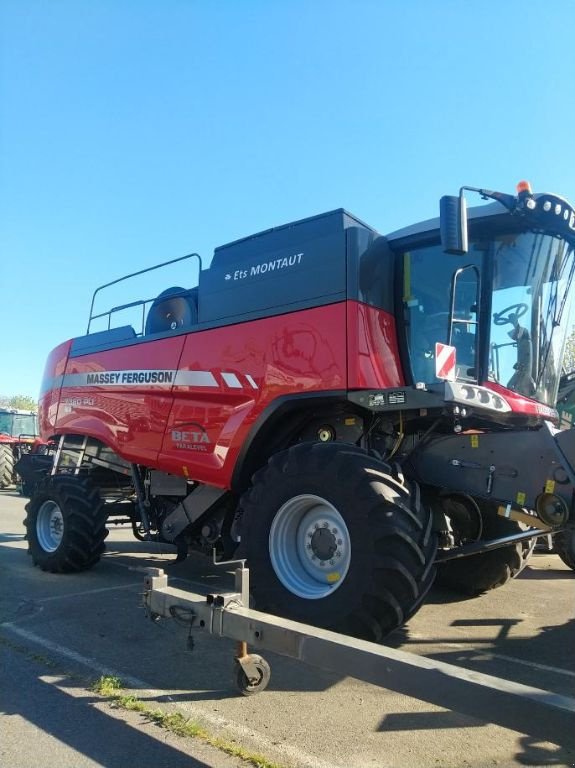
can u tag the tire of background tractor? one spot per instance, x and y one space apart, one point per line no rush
333 540
564 546
66 524
479 573
6 466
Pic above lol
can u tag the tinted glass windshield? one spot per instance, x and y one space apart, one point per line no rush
427 285
529 319
531 304
15 424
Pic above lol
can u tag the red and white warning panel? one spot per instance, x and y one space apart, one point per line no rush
444 362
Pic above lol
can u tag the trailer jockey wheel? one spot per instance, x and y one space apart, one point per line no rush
252 674
332 539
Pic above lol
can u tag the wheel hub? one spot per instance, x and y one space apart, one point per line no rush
309 546
323 543
50 526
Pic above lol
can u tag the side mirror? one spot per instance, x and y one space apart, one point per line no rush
453 224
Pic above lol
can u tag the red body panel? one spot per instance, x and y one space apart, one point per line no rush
373 354
217 383
524 405
50 390
186 404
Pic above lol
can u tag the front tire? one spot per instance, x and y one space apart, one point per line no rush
66 525
480 573
333 540
6 466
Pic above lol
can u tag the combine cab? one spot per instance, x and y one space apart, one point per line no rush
351 412
18 436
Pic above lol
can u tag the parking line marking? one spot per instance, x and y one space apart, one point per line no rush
87 592
302 758
534 664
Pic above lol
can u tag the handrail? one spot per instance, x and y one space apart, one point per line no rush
142 302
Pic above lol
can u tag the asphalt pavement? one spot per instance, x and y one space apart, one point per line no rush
58 633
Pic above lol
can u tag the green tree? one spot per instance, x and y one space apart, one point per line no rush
569 354
24 402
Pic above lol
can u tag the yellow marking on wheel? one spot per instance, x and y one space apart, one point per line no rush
333 577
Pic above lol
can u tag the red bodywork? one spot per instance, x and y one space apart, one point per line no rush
197 429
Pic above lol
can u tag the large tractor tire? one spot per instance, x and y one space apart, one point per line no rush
6 466
564 546
477 574
334 540
66 525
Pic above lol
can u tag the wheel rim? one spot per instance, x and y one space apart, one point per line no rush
310 547
50 526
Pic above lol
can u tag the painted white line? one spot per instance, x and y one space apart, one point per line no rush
204 585
532 664
301 758
514 659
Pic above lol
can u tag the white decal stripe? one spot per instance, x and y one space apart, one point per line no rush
232 380
195 379
50 383
156 378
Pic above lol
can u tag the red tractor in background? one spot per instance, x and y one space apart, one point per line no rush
350 412
18 436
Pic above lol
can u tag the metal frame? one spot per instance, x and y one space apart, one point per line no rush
141 302
447 685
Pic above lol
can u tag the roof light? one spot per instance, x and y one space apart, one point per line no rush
524 187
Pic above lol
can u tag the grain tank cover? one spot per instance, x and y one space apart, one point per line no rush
292 267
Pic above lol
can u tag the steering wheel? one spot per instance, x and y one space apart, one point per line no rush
504 317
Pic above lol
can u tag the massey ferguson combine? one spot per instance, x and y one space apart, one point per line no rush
350 412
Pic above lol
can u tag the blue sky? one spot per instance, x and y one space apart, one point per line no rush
134 132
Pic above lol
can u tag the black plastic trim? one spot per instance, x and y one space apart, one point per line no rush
264 430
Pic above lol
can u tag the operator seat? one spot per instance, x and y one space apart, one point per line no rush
173 309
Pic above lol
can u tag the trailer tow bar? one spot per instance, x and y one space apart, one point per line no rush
440 683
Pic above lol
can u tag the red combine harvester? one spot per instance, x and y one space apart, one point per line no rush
350 412
18 436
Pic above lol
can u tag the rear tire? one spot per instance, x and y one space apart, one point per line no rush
334 504
564 546
66 525
6 466
477 574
